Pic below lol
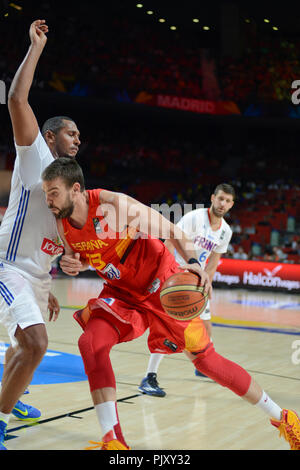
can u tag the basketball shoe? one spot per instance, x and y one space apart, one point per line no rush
108 443
3 427
149 386
25 412
289 428
199 374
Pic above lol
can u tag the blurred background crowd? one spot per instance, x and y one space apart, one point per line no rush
107 56
117 51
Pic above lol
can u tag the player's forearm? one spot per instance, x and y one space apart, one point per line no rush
169 246
21 84
183 245
212 265
211 272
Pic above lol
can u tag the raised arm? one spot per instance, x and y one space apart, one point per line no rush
25 126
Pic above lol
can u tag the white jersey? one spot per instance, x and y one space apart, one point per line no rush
28 233
196 225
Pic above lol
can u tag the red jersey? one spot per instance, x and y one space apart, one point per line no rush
131 263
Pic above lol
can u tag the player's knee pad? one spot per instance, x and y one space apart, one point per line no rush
96 361
85 344
221 370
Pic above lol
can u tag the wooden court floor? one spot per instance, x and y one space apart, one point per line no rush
258 330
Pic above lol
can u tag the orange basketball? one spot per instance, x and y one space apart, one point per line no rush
182 297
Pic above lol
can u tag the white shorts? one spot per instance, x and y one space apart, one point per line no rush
23 300
206 315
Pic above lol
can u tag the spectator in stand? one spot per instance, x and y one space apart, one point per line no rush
250 230
240 253
269 254
279 255
230 251
236 228
236 233
295 245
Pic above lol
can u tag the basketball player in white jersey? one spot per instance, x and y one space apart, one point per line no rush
28 236
211 236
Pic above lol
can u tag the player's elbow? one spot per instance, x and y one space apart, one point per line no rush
15 99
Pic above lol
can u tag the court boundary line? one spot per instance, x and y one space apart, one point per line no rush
65 415
264 329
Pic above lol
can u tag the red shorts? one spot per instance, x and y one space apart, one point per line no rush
132 317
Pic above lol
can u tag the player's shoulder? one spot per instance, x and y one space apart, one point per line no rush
94 195
38 140
198 213
37 147
191 218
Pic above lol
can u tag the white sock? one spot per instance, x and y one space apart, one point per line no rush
4 417
154 362
107 416
268 406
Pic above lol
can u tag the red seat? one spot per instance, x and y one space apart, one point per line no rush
295 258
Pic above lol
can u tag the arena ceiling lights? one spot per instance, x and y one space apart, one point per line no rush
171 24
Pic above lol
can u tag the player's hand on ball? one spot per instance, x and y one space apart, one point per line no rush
205 281
71 264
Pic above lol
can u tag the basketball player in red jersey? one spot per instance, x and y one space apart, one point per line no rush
119 237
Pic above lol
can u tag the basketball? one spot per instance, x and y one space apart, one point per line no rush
182 297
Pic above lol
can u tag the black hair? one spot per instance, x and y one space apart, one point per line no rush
67 169
55 124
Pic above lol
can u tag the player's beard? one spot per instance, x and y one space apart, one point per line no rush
216 213
65 211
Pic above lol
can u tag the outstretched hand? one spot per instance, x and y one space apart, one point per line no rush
37 32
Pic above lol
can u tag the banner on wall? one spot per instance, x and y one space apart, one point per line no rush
258 274
188 104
